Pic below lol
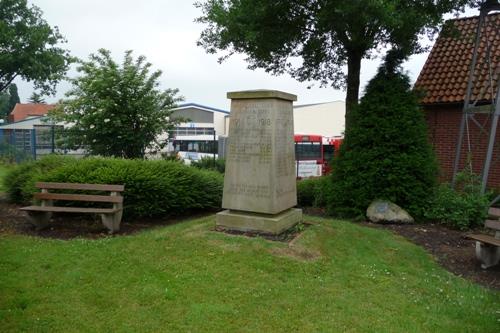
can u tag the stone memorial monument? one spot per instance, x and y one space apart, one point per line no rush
259 182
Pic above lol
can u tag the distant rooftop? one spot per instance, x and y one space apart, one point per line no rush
195 105
22 111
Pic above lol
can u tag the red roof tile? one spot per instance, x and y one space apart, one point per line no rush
23 111
445 74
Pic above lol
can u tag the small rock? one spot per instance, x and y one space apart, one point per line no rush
381 211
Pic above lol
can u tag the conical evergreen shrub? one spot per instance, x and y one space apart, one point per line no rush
386 153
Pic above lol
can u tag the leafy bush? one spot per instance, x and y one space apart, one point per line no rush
323 190
494 197
306 189
152 188
456 209
207 163
20 180
385 153
462 208
313 191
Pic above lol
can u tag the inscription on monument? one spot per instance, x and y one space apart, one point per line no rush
251 139
260 159
259 182
258 191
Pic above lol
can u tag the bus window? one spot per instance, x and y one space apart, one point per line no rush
308 151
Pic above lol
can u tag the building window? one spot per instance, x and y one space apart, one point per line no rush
23 139
192 131
198 146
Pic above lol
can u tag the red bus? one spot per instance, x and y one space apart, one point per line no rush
313 154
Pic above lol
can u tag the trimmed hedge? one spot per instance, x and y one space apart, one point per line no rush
20 180
152 188
313 191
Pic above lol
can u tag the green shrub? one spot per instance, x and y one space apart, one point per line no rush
208 163
323 189
385 153
20 180
462 208
459 210
306 189
313 191
10 154
152 188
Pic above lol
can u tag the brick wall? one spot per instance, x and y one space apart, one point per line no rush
444 125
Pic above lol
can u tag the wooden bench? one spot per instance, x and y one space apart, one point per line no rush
488 246
111 217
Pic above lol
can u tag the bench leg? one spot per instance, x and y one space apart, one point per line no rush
489 255
40 219
112 221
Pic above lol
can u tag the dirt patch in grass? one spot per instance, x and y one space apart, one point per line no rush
296 252
285 237
68 226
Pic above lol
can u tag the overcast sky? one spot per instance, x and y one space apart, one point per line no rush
165 32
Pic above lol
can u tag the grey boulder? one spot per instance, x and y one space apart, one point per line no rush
381 211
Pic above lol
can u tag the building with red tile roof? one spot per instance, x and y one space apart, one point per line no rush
445 74
23 111
443 80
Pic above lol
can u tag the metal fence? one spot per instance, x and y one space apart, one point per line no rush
17 145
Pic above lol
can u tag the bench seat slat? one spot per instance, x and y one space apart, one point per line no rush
57 209
494 213
79 197
76 186
485 239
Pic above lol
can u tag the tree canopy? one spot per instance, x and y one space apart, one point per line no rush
4 105
319 40
29 47
116 110
8 100
36 98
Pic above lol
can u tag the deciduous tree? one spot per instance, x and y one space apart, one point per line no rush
116 110
319 40
29 47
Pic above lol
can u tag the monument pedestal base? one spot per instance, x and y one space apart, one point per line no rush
261 223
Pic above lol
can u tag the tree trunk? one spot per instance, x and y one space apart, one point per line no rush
353 72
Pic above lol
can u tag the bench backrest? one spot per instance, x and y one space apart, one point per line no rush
114 190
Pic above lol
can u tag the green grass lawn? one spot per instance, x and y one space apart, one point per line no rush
337 277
